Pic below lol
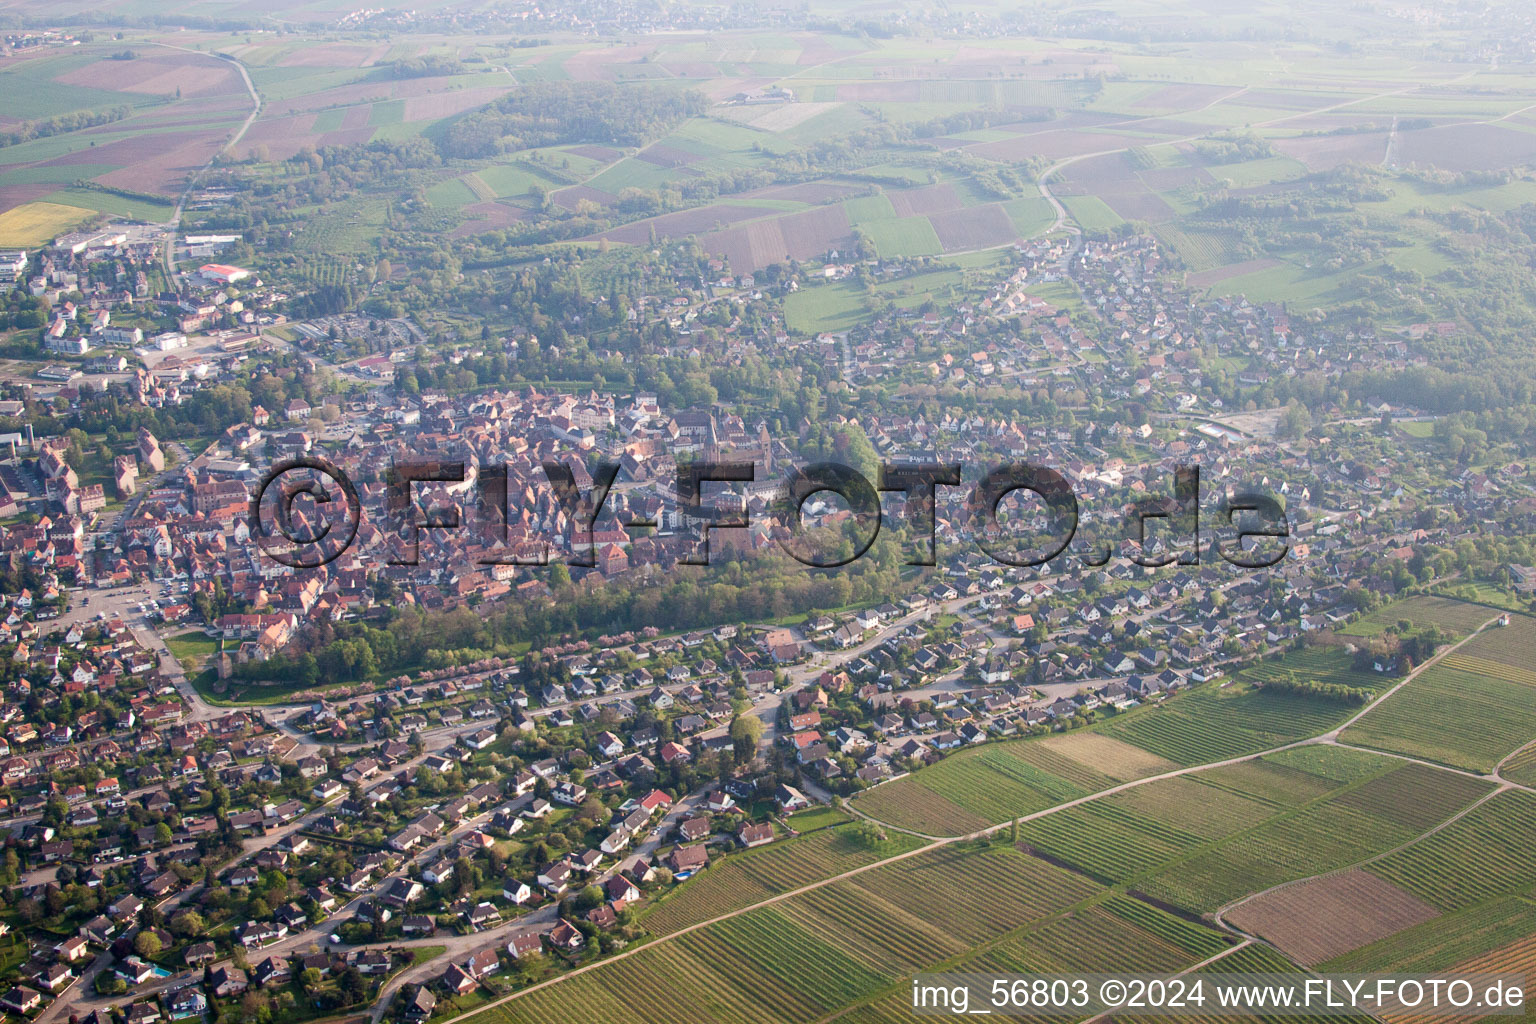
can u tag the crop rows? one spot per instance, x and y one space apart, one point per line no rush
1320 838
1212 725
1192 805
880 933
766 943
1200 250
1107 840
1273 782
1449 939
1521 768
977 896
1309 830
1515 960
1457 718
1415 796
660 985
1514 644
750 877
1095 940
1457 617
984 787
909 803
1485 854
1103 754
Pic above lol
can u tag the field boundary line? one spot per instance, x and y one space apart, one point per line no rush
1218 916
1508 758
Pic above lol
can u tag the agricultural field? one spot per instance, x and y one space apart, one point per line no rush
975 788
1134 147
1118 933
1201 840
815 953
1495 836
1322 918
36 223
145 123
1444 940
1326 664
1470 710
1345 826
1212 724
1457 618
751 876
1521 767
345 227
1515 959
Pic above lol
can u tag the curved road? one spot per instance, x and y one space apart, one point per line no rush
192 179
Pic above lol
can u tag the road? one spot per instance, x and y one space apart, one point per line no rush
174 223
534 922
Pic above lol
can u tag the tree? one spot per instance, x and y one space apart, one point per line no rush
589 897
147 945
188 923
746 731
868 833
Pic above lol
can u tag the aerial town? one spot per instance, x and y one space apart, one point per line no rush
406 602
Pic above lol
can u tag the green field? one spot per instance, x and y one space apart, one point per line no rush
1201 249
1521 767
1457 618
1092 213
1201 840
346 227
751 876
814 954
133 207
1031 215
193 648
903 236
452 194
1484 855
1258 172
825 307
1211 724
968 791
1342 826
1470 710
818 818
863 209
972 789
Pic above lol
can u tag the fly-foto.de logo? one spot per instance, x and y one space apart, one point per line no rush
306 512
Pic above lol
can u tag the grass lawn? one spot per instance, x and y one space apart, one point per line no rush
817 817
193 648
826 307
